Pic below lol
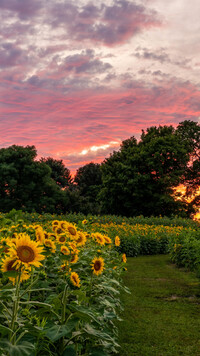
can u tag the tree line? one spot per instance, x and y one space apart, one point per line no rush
138 179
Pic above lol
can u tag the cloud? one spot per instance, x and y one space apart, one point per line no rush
24 9
11 55
109 25
159 55
64 126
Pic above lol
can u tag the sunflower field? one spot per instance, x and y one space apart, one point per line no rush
59 289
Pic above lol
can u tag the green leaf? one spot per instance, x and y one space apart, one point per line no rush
98 352
38 303
23 349
69 351
57 331
4 330
11 274
84 313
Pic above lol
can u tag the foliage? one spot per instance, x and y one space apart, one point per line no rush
59 173
88 182
25 183
59 289
140 177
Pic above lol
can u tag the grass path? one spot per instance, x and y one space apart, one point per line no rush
162 313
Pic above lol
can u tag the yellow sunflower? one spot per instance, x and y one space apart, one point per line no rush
27 251
107 240
63 225
65 250
117 241
49 243
99 238
81 239
124 258
39 233
75 279
74 258
65 267
58 230
71 229
97 265
8 265
61 239
5 244
55 224
84 222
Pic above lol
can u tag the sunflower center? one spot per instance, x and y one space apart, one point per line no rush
97 265
25 253
71 230
59 231
62 238
10 266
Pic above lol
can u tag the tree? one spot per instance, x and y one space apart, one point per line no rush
25 183
59 173
88 182
140 177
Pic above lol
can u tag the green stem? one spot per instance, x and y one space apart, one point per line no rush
15 306
90 291
64 300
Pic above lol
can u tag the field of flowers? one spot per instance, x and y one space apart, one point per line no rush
59 289
61 277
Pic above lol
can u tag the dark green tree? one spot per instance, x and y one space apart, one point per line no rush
59 173
189 131
140 177
25 183
88 183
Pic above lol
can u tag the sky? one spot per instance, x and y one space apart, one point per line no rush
78 77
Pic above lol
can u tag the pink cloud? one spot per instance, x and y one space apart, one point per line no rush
63 126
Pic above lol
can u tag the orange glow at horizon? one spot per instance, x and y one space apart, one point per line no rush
182 189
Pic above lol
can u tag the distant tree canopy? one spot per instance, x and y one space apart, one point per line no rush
139 179
88 182
59 173
26 183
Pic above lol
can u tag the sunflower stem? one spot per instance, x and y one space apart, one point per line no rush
64 300
15 307
90 291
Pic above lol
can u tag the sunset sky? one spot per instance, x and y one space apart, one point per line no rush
78 77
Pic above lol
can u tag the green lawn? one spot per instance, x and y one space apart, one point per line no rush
162 313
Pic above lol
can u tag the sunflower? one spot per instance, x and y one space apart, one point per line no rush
71 229
97 265
8 265
74 258
117 241
84 222
63 225
124 258
58 230
61 239
75 279
81 239
27 251
5 244
39 233
55 224
65 250
107 239
99 238
49 243
65 267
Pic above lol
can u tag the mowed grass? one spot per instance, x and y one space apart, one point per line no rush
162 313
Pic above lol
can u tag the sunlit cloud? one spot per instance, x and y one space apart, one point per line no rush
101 147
